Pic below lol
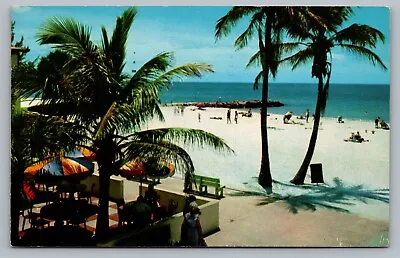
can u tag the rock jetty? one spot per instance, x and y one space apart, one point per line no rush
231 104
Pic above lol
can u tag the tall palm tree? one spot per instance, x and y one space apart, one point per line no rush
317 42
114 106
269 24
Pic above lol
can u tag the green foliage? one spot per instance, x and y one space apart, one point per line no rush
106 105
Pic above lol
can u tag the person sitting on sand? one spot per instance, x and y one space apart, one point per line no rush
287 117
384 125
356 137
340 120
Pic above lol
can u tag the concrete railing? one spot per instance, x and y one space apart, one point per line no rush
209 212
116 186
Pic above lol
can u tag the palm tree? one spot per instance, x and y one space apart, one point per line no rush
268 23
113 106
318 42
33 138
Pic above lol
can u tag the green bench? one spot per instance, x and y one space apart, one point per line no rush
203 182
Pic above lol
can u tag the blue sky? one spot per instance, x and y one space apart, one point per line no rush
189 33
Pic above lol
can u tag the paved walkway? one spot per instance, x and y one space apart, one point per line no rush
244 222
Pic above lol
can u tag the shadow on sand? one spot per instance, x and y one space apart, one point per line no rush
333 197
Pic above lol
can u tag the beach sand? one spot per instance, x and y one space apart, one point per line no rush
366 164
298 219
287 222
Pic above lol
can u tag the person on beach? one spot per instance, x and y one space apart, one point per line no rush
377 122
191 232
340 120
287 117
199 117
228 116
236 116
307 115
182 109
384 125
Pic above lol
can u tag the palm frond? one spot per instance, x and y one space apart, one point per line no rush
224 24
105 42
189 137
257 80
254 60
365 52
243 39
117 44
160 151
360 35
299 58
66 34
183 71
149 71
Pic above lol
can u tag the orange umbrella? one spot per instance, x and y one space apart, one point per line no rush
134 168
137 168
64 166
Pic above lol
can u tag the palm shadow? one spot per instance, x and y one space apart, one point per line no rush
334 197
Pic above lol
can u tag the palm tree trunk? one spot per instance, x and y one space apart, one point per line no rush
16 186
302 172
264 177
102 224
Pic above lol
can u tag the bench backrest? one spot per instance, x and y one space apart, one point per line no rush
205 179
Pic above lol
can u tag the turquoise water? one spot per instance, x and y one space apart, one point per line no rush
352 101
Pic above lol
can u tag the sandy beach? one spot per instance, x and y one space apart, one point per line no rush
304 215
365 164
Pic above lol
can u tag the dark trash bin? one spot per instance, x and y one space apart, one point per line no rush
316 173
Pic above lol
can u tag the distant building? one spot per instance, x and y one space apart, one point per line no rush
14 54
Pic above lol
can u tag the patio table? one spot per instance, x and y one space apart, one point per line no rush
71 189
67 210
58 236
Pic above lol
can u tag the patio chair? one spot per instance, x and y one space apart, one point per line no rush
34 219
122 214
88 195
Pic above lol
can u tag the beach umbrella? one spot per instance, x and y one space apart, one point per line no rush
61 167
134 168
140 169
81 152
164 170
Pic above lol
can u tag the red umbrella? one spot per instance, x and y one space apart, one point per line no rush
199 105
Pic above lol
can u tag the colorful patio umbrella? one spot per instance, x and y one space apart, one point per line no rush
166 170
61 166
138 168
81 152
134 168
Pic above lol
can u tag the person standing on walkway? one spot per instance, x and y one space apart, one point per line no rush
307 115
228 116
191 232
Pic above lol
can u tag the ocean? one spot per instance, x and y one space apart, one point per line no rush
351 101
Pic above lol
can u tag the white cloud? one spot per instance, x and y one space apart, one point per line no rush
21 9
